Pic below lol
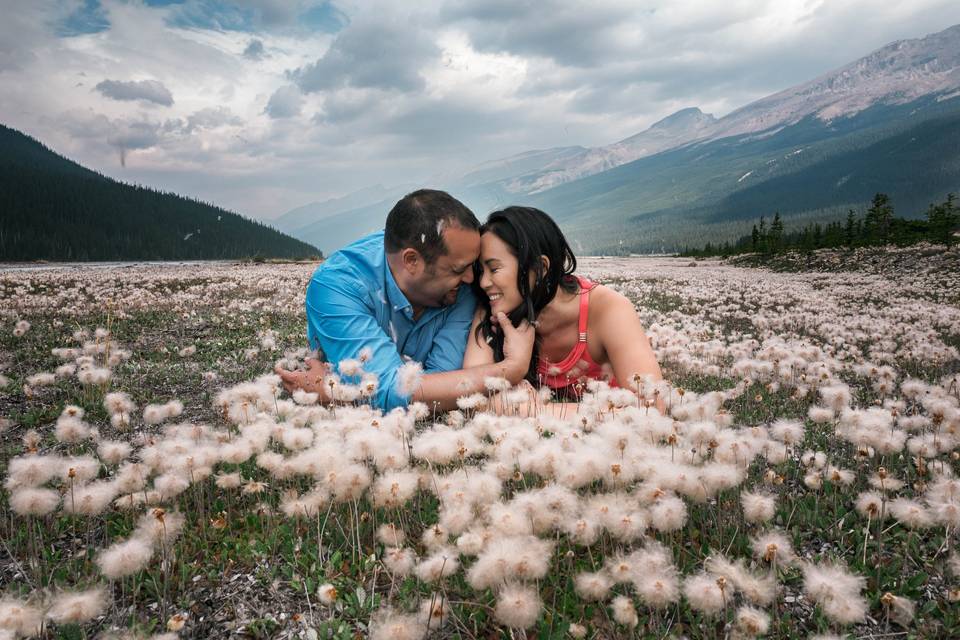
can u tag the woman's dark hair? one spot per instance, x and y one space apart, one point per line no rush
529 233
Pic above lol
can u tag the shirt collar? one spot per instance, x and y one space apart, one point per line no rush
395 297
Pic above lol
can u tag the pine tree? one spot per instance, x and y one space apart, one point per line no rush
775 236
942 218
850 230
878 220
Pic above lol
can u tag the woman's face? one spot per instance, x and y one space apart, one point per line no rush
498 276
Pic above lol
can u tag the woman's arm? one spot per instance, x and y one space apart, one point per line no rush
625 342
477 353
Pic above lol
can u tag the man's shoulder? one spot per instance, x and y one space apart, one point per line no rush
362 260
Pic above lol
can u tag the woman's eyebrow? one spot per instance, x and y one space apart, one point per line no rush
489 260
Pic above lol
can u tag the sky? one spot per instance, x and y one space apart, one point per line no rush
260 106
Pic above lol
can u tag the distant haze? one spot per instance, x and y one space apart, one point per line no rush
265 106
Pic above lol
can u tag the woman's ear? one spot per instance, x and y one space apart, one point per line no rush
544 263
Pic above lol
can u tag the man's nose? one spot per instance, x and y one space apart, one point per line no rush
467 276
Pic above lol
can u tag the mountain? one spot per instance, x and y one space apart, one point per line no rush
311 213
683 126
808 171
54 209
886 122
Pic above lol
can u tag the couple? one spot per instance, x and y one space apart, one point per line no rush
468 302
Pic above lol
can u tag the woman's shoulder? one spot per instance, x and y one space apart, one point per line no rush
610 309
603 297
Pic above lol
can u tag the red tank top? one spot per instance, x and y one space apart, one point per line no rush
578 366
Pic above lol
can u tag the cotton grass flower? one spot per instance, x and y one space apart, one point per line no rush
327 594
773 547
836 591
31 471
78 607
20 618
408 378
391 625
125 558
30 501
399 561
624 613
703 593
443 563
113 452
592 586
518 606
758 507
910 513
752 622
668 514
91 499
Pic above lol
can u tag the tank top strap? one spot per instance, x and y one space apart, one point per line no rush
585 287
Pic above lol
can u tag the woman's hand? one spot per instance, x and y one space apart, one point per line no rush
517 347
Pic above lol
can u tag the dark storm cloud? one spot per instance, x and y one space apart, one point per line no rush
143 90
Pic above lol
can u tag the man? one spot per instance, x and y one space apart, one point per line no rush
404 292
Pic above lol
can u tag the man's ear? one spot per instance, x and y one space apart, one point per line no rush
411 260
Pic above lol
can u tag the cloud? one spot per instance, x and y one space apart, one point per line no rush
285 102
211 118
376 52
144 90
566 32
254 50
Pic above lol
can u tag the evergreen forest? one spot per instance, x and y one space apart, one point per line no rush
54 209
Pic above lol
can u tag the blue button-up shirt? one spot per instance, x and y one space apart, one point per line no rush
354 302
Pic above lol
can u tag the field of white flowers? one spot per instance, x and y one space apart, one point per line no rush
157 481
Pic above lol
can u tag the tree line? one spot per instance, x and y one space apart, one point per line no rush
54 209
878 226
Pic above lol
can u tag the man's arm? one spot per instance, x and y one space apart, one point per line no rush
341 324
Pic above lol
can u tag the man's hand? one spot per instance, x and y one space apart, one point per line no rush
517 347
311 380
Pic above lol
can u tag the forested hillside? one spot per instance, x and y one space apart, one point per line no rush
54 209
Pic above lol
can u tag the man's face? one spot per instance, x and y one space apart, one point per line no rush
438 283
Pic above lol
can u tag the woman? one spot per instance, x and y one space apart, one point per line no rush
583 329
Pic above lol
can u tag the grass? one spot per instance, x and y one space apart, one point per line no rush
242 567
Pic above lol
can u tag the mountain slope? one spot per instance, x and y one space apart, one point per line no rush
811 170
309 214
54 209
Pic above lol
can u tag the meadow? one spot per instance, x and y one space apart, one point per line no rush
158 482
